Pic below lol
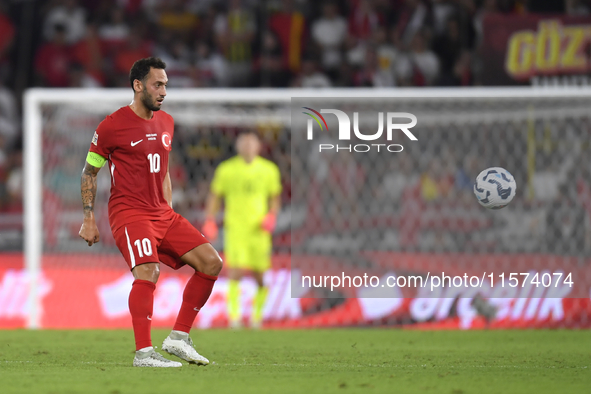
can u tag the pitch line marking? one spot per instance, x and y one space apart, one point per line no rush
399 366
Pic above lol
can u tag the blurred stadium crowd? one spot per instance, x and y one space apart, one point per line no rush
242 43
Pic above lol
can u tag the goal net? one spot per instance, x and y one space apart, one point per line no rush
345 212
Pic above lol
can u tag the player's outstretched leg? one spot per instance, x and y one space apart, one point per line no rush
178 342
207 264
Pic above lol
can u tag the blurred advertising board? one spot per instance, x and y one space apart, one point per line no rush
536 50
81 291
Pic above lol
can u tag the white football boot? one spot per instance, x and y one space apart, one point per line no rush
182 346
152 359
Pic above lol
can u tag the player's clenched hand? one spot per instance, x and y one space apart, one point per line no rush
89 232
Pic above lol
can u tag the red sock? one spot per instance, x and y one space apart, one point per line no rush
141 305
195 295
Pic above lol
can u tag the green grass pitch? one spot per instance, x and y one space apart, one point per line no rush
307 361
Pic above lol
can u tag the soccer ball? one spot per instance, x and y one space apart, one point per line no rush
495 188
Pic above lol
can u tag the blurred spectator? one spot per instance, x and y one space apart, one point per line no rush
211 67
7 33
69 14
399 176
546 181
329 32
271 70
135 48
390 59
311 77
424 63
465 175
437 181
175 53
442 11
179 178
462 74
235 32
64 180
565 221
448 48
3 173
88 53
290 27
344 78
2 154
412 19
345 181
175 17
14 179
355 51
235 43
116 30
372 74
206 27
8 113
52 61
363 19
79 78
488 7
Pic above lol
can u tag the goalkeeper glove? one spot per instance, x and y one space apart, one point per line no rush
210 229
269 222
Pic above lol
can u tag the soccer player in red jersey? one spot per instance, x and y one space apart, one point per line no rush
135 141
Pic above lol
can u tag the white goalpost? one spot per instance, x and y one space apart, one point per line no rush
70 115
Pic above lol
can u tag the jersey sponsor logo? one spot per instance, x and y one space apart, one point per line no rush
166 140
135 143
95 139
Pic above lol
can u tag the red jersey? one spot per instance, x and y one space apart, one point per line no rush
137 150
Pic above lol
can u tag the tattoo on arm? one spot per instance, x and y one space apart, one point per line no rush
88 188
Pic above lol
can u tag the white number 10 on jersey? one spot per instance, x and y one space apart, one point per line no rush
154 159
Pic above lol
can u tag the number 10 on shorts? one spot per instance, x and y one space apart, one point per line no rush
144 246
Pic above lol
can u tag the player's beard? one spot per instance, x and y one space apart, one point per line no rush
149 102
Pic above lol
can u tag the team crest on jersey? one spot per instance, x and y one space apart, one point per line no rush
166 141
95 139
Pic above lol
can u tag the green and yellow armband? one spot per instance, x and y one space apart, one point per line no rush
95 160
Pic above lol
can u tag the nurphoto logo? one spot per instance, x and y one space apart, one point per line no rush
345 130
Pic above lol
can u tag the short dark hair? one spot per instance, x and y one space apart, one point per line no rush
141 68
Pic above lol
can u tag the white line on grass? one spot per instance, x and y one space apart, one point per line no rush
398 366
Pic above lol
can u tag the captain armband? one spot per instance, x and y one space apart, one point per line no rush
95 160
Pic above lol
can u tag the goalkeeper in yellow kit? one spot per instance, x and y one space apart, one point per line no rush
251 188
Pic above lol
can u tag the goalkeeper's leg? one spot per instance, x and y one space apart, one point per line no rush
234 309
260 258
236 250
258 303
